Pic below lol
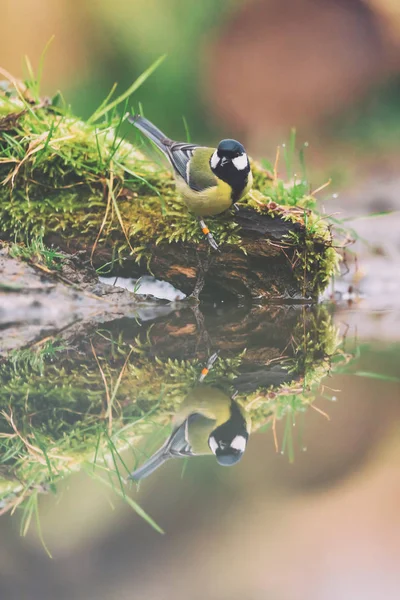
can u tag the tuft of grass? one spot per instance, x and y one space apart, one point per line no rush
37 253
315 259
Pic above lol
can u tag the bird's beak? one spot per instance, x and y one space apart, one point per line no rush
224 160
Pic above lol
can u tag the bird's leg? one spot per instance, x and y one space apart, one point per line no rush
208 367
203 339
201 277
209 235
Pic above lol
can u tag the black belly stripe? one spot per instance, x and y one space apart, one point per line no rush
237 191
233 177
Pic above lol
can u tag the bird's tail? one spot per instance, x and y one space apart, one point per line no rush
150 131
176 445
151 465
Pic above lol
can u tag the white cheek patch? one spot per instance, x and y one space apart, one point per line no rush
239 443
241 162
215 159
213 444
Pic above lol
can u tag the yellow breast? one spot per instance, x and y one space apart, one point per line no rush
211 201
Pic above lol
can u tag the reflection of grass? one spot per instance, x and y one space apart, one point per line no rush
379 361
380 376
50 426
370 361
35 358
35 463
316 352
107 467
79 406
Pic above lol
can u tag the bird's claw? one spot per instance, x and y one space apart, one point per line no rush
209 366
212 242
212 359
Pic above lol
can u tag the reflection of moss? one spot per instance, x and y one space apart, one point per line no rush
315 342
61 410
63 176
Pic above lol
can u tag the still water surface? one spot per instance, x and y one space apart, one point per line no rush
302 400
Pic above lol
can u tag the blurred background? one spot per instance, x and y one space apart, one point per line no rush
250 69
326 527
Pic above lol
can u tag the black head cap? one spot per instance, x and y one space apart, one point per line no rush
228 457
230 149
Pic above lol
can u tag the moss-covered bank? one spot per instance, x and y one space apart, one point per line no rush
83 187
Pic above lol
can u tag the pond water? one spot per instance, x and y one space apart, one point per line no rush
308 510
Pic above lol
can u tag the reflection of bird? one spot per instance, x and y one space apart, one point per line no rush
210 180
208 422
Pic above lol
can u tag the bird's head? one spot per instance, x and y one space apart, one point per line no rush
228 451
230 156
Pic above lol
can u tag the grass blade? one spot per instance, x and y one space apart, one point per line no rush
41 63
186 126
102 110
106 99
39 527
379 376
138 509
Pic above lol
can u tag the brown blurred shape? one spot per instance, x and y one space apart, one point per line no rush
279 63
25 29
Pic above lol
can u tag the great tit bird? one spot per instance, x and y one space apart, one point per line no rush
208 422
210 180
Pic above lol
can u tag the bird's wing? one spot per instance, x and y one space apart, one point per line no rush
176 445
180 155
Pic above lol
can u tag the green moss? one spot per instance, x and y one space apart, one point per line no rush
79 179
